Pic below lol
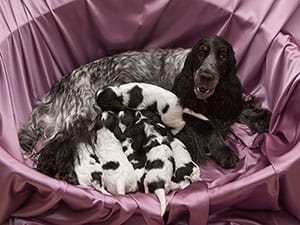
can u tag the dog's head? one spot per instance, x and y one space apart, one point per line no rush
209 61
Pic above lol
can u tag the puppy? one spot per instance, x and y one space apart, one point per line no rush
88 168
186 171
140 96
118 173
158 173
159 167
134 153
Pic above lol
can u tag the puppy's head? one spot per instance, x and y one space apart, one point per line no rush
106 119
209 61
107 99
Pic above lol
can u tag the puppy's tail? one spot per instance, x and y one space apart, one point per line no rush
161 195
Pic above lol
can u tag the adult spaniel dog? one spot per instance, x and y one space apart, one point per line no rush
204 78
208 84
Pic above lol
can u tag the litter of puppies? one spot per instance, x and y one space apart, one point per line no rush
132 146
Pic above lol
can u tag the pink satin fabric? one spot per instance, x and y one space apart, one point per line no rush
40 41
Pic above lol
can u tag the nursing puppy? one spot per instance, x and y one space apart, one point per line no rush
140 96
158 173
88 168
118 173
186 171
133 151
159 167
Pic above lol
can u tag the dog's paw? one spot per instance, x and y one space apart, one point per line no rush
258 120
226 158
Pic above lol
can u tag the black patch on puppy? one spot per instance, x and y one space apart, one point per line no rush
128 118
152 186
95 157
155 164
97 177
153 108
108 100
183 171
124 148
140 183
172 160
152 115
152 144
139 157
135 97
109 122
111 165
166 108
137 133
119 134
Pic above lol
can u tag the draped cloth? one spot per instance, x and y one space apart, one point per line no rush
41 41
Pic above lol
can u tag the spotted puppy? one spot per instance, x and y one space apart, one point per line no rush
159 166
130 145
118 173
88 168
186 171
140 96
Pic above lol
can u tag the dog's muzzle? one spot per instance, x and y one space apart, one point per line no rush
205 84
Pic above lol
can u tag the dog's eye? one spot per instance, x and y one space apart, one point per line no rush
223 56
203 50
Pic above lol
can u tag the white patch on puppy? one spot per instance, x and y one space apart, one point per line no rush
88 168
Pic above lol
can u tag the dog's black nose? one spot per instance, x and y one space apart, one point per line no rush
206 77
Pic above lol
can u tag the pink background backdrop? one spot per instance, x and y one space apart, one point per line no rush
40 41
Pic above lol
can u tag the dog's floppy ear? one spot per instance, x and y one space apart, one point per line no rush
183 82
191 61
227 101
232 60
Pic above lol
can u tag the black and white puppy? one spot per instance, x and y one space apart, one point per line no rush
88 168
186 171
118 173
159 168
132 149
149 153
140 96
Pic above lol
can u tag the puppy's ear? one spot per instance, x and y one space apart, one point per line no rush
107 99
